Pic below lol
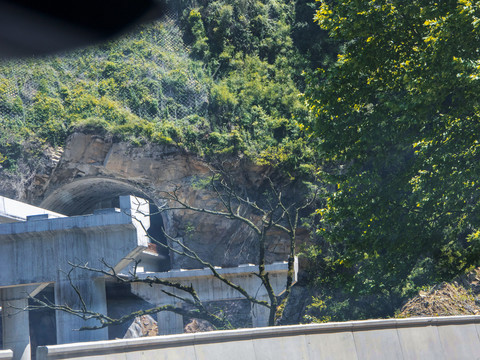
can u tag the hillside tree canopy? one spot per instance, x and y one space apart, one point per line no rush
398 116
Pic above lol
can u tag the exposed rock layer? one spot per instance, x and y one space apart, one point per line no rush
93 171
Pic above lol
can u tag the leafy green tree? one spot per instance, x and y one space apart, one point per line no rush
398 116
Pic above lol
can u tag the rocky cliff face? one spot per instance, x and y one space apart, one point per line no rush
93 171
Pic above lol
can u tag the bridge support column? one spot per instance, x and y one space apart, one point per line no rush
94 297
260 314
15 320
16 331
169 323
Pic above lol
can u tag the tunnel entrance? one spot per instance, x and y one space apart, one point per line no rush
156 232
84 196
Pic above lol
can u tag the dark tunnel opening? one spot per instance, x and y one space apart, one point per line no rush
156 232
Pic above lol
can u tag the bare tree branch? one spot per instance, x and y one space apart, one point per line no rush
272 212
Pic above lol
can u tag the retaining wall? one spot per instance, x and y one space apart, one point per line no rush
456 337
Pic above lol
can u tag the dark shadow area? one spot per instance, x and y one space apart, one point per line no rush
35 28
42 322
156 232
120 302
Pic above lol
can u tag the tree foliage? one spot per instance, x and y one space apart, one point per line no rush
398 116
202 80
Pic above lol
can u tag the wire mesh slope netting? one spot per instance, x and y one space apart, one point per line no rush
147 71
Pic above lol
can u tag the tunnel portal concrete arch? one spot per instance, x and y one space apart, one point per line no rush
84 196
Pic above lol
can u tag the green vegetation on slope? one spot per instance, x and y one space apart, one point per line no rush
399 120
231 89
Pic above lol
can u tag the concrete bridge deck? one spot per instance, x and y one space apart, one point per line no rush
455 337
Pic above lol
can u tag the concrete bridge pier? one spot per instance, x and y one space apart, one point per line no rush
259 313
40 250
15 320
94 299
170 323
16 335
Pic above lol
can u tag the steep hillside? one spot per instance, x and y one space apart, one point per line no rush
216 78
260 83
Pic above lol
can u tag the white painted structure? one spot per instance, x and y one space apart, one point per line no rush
37 252
12 210
209 288
6 354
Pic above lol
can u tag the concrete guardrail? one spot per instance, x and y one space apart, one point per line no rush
6 354
455 337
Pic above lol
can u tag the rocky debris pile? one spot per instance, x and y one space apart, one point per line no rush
142 326
461 297
471 281
198 325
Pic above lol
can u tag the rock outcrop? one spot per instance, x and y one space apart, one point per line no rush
93 171
142 326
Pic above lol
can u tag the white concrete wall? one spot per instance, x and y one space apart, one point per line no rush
15 322
455 337
34 251
40 251
209 288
